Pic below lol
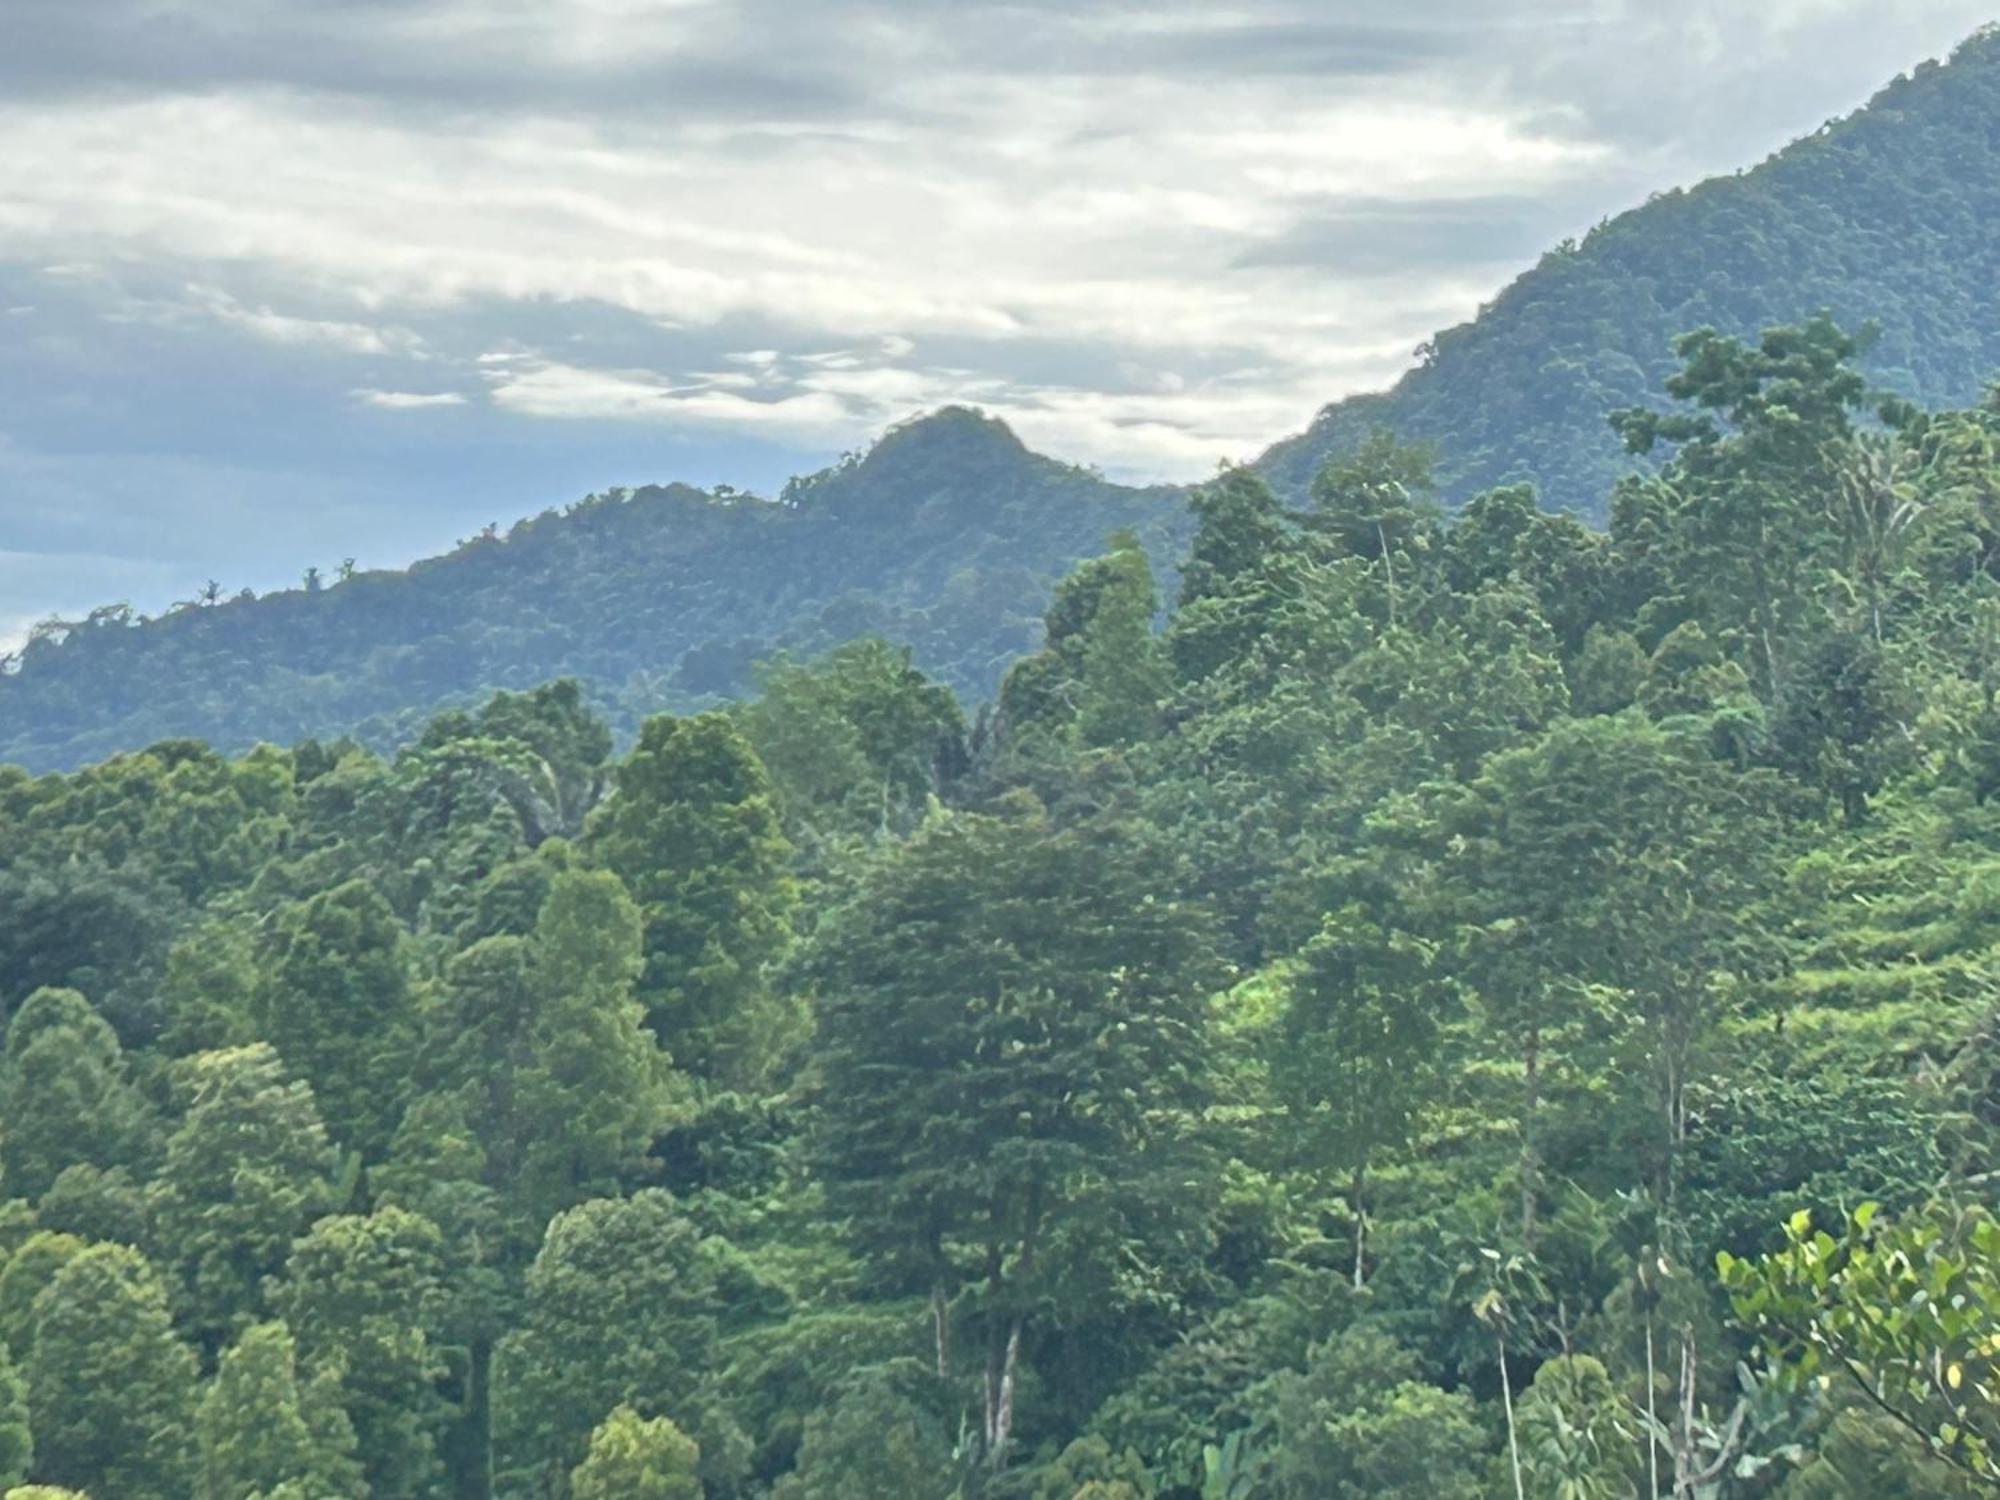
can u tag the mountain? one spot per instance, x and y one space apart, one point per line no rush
1887 214
946 536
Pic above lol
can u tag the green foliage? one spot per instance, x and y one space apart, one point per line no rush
946 536
620 1308
363 1296
1358 1424
69 1098
633 1459
31 1267
248 1168
334 999
1522 388
264 1432
694 833
1231 1068
881 1436
1905 1310
1577 1439
111 1388
1088 1469
17 1443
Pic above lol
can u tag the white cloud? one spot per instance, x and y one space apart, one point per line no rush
1149 236
408 400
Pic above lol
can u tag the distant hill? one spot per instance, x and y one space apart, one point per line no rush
1888 214
946 536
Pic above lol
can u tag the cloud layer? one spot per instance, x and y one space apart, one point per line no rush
285 281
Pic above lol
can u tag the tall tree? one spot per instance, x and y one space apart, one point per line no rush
265 1432
1751 500
111 1388
248 1168
694 832
620 1307
336 1002
66 1091
363 1296
1353 1050
1007 1008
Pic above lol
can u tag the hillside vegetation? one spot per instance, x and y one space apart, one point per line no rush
1471 1007
1886 215
947 535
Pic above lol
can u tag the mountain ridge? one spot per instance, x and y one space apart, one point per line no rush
948 532
1881 214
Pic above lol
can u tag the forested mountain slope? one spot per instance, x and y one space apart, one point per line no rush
1462 1007
1886 215
948 534
945 537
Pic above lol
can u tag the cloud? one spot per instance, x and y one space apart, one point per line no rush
408 400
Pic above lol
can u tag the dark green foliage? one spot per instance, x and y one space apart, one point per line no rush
69 1101
363 1296
694 832
620 1308
1882 215
947 536
1313 1044
111 1389
883 1435
265 1432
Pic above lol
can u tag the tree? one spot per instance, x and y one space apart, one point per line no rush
1101 675
633 1459
1576 1440
596 1092
247 1169
1902 1312
265 1432
1353 1048
362 1295
1751 503
880 1436
337 1004
694 832
1608 860
1375 503
1007 1008
1228 589
17 1444
27 1271
546 1088
68 1097
620 1308
1357 1424
110 1386
1088 1469
856 741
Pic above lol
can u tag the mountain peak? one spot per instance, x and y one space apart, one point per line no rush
954 435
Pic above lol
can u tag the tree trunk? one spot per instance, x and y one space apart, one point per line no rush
941 1321
1001 1418
1360 1224
1684 1468
1652 1417
1507 1404
1530 1161
468 1446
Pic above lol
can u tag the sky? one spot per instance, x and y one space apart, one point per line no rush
284 282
